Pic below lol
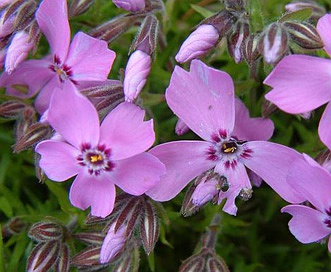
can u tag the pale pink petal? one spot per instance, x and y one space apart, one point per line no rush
203 98
44 97
74 117
230 204
307 224
58 159
184 160
52 17
204 192
324 128
138 174
89 58
324 30
300 83
126 132
97 192
250 129
33 74
312 181
272 162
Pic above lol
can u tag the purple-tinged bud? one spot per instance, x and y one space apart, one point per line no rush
146 38
181 128
46 231
18 50
63 262
12 109
236 39
273 44
195 263
27 118
43 256
305 35
110 30
324 159
7 26
216 264
223 21
78 7
268 108
129 261
88 258
3 53
306 115
198 43
317 10
107 88
93 238
25 13
34 134
130 5
113 244
205 192
136 72
250 49
188 208
149 227
14 226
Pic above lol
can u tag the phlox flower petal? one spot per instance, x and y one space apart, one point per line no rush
300 83
183 162
97 192
206 107
312 181
324 131
76 120
119 126
55 26
306 224
271 162
145 171
90 58
58 159
324 30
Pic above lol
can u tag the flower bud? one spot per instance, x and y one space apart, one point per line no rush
216 264
181 128
88 258
112 245
223 21
43 256
273 44
250 49
90 238
195 263
18 50
27 118
12 109
46 231
136 72
236 39
198 43
63 262
130 5
14 226
305 35
78 7
317 10
205 191
149 227
6 26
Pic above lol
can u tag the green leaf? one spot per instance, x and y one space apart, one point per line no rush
151 261
202 11
2 263
6 207
300 15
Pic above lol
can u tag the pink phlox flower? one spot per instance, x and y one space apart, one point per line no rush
303 83
100 156
85 59
204 99
313 182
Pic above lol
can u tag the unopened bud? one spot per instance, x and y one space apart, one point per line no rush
149 227
195 263
43 256
317 10
188 208
130 5
216 264
63 262
18 50
273 44
6 26
198 43
112 245
146 39
205 192
90 238
46 231
107 88
14 226
136 72
181 128
27 118
250 49
305 35
12 109
33 135
128 262
223 22
268 108
88 258
236 39
78 7
25 14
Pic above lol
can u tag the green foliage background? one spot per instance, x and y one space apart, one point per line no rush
257 239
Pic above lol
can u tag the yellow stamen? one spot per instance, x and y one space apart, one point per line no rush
96 158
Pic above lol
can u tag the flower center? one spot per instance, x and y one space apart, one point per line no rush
96 159
327 221
227 150
62 70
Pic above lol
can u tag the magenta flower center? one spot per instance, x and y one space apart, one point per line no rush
96 159
227 150
62 70
327 221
